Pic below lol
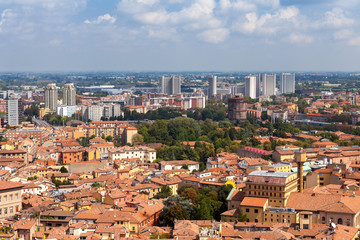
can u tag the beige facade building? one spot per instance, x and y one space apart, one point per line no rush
145 154
10 198
51 96
69 95
275 186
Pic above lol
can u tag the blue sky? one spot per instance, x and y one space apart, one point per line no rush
179 35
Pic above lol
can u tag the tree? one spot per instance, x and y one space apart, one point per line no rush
203 212
157 235
242 217
189 193
164 192
109 138
185 166
138 138
174 212
63 169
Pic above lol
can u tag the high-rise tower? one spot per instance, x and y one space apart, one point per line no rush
14 111
171 85
287 83
51 96
212 86
269 84
250 86
69 95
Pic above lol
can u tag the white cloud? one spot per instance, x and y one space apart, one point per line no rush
334 19
55 42
300 38
247 5
7 13
166 33
268 23
214 35
199 10
343 34
238 5
136 6
354 41
101 19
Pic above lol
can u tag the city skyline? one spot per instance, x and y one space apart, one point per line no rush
133 35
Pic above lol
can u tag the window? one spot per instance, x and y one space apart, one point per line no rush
247 210
10 197
256 210
0 211
133 228
11 209
340 221
306 226
306 216
5 211
5 198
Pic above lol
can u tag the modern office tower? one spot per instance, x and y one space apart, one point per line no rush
14 111
51 96
69 95
171 85
212 86
287 83
250 86
269 84
237 107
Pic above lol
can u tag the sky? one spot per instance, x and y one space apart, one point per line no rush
179 35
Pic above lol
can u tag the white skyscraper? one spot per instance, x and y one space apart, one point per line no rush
250 86
212 86
171 85
69 95
269 84
14 111
287 83
51 96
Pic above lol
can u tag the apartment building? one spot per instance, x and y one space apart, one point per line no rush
275 186
10 198
145 154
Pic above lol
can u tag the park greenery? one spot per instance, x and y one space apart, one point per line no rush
202 204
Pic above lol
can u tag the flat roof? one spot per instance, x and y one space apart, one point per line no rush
271 174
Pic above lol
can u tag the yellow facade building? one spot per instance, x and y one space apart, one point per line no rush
272 185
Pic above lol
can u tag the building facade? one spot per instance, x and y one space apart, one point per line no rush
171 85
145 154
51 96
287 83
251 86
237 109
10 198
69 92
275 186
212 86
96 112
14 112
269 84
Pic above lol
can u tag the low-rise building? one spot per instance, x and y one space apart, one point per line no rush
10 198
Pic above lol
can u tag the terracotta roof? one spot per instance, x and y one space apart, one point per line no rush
253 201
